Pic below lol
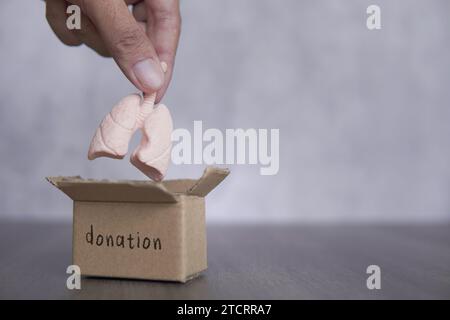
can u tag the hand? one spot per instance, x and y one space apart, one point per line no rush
138 41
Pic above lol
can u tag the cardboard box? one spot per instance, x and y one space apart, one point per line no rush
140 229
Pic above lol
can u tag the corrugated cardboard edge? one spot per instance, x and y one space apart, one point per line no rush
79 189
55 180
210 179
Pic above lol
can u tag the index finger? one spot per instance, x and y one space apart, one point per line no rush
163 28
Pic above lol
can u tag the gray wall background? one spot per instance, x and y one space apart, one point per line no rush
364 116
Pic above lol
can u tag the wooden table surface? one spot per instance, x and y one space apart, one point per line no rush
247 262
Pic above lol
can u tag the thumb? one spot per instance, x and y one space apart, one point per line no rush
127 42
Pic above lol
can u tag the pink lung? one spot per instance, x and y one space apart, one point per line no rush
132 113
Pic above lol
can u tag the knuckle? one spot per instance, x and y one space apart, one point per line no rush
170 27
169 21
130 39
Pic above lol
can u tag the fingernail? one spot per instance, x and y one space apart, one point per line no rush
149 74
164 66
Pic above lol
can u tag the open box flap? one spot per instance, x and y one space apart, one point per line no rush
80 189
168 191
210 179
180 186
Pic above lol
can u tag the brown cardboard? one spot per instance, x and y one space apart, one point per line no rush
140 229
